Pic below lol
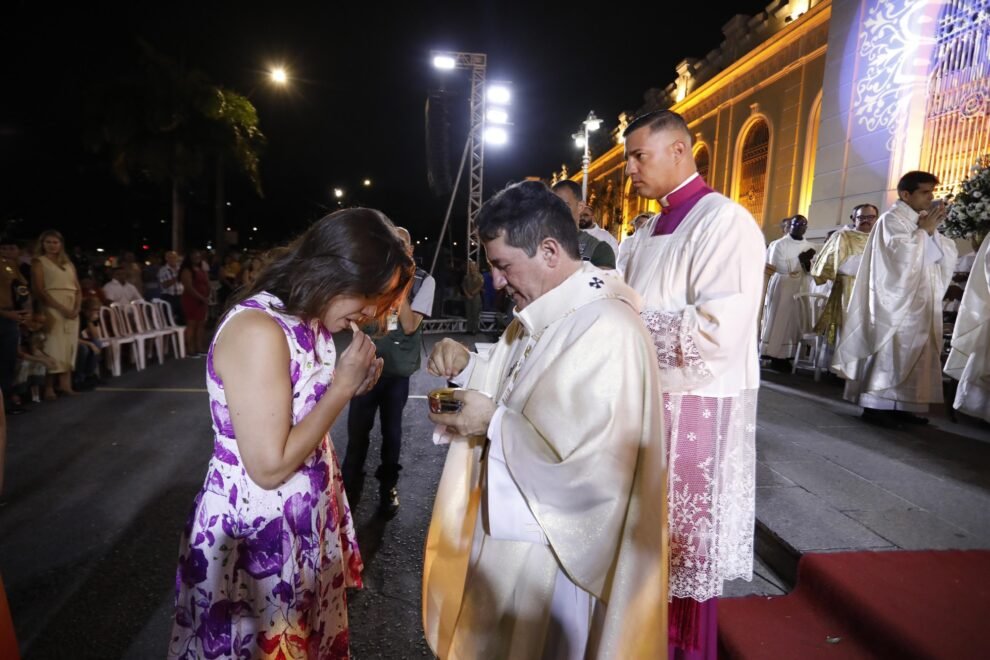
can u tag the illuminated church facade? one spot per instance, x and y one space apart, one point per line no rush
815 107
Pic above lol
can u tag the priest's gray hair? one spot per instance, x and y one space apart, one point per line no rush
659 120
526 213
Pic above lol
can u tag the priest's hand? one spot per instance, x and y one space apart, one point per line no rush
448 358
474 417
930 220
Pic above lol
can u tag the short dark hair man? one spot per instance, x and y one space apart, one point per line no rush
400 348
890 350
570 405
699 270
590 248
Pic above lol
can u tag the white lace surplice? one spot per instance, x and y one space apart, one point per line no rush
702 288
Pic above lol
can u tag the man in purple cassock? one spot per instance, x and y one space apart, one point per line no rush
698 265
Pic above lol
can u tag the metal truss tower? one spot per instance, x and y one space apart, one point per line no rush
475 146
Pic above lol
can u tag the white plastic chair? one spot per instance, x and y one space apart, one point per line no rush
123 315
141 313
166 321
810 306
156 317
112 334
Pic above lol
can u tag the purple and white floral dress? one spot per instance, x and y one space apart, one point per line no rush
262 573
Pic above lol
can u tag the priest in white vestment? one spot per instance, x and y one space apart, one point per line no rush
781 322
969 358
892 340
699 267
548 536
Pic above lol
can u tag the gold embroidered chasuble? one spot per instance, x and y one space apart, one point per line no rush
840 247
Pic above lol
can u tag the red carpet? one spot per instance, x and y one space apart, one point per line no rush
931 604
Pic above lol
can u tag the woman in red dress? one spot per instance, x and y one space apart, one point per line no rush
195 301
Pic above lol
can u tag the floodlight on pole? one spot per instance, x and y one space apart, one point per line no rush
497 116
499 94
496 135
444 62
279 75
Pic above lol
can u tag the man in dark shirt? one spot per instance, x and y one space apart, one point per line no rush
597 252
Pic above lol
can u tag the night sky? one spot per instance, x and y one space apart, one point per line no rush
354 107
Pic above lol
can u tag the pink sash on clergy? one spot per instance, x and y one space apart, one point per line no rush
676 205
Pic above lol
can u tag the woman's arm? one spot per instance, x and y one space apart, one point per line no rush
259 395
77 299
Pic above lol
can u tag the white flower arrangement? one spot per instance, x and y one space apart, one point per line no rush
969 209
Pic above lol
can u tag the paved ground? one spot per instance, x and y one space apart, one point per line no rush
828 482
98 487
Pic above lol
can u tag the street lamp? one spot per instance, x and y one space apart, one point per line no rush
581 140
279 75
367 183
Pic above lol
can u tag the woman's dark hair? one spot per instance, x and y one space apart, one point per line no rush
350 252
187 262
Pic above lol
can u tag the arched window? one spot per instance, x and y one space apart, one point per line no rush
752 172
810 148
702 159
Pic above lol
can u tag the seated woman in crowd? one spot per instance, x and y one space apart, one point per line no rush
87 373
270 545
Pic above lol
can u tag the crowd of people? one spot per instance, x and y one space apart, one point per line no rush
52 342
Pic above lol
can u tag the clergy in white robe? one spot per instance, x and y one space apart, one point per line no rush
892 340
781 322
969 357
548 538
699 267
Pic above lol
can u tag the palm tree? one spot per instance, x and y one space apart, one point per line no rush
166 123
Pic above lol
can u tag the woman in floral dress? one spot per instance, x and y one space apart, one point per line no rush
269 546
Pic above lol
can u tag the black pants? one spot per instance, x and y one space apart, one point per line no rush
10 337
389 395
87 365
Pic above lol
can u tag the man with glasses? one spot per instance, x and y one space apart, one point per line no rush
838 262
